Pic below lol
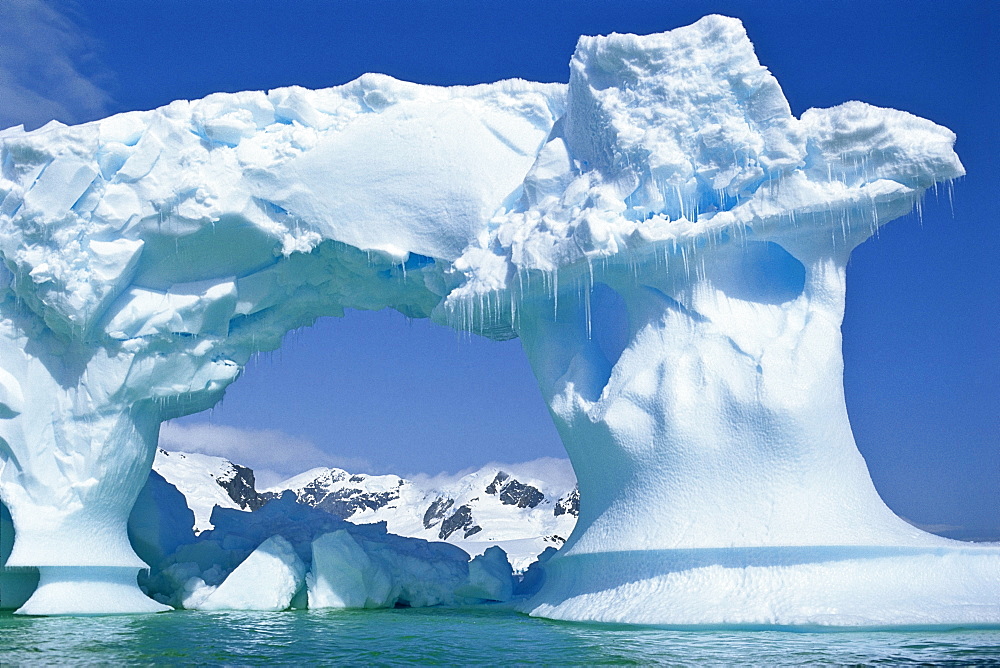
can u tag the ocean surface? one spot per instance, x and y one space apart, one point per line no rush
456 637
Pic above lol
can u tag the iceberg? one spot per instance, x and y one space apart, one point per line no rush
491 577
343 575
266 580
667 240
288 555
352 569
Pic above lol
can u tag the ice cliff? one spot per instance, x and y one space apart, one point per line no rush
666 239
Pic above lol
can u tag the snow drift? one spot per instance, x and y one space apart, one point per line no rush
666 239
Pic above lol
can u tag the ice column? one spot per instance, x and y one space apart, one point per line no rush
76 445
66 498
719 479
680 298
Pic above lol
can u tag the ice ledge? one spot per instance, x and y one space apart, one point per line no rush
836 586
88 591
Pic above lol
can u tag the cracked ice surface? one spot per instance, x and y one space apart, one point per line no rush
666 239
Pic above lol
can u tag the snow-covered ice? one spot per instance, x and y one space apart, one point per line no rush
666 239
266 580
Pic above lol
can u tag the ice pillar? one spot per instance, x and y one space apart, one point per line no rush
70 471
698 389
719 478
76 444
676 273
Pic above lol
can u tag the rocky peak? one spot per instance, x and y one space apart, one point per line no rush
436 511
239 484
569 504
513 492
498 481
461 519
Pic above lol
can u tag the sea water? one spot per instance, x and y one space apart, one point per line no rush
478 636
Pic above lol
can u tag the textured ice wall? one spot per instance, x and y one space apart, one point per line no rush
668 241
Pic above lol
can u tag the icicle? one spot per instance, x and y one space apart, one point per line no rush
555 295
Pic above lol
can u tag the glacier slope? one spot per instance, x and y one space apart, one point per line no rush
667 240
206 482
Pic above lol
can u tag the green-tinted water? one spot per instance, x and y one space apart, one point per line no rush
444 636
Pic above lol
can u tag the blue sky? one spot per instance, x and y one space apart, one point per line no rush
376 392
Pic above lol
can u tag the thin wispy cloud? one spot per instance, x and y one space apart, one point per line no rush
556 472
940 529
49 68
273 455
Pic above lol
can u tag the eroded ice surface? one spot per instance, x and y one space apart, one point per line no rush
666 239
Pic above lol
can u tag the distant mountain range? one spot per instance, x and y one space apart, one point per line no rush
523 508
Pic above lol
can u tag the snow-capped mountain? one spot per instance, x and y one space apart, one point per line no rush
206 482
510 506
524 508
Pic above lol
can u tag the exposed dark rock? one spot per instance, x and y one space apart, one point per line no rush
460 519
239 485
344 503
494 486
436 511
514 493
518 494
569 504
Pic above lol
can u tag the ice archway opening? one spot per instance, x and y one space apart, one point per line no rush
376 392
666 195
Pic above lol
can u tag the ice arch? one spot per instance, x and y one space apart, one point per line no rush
667 189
